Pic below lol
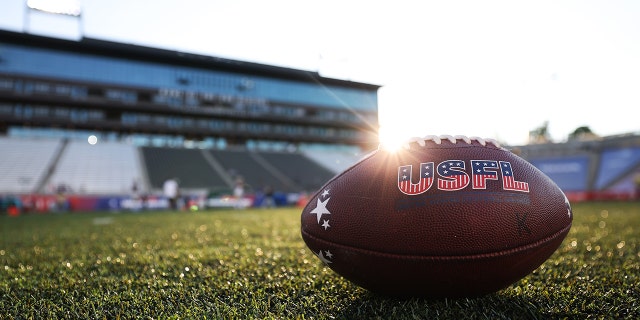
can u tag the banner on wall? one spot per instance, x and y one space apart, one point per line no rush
40 203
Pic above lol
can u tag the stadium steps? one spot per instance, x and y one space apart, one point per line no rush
41 185
24 163
274 171
144 183
616 164
189 166
306 174
215 165
629 173
594 165
239 164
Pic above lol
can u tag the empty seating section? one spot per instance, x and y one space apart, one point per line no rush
188 165
616 162
23 162
111 168
303 172
569 173
242 164
104 168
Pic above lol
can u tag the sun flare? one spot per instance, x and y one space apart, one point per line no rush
391 138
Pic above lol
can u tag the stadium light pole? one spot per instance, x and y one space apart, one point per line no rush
66 8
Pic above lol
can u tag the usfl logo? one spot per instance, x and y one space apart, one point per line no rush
451 175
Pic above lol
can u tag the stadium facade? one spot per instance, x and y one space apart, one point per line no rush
159 114
170 97
604 168
208 121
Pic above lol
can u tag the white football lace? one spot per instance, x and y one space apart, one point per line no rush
453 139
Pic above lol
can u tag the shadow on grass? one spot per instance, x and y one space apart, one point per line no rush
494 306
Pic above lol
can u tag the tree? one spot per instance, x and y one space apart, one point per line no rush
540 134
582 133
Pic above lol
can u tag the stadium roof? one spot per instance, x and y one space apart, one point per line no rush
136 52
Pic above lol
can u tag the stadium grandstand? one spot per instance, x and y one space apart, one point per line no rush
98 125
600 168
89 119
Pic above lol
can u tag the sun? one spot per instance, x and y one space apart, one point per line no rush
391 138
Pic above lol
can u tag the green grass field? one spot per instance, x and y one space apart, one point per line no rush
254 264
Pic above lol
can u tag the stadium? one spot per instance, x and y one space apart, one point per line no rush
91 131
220 120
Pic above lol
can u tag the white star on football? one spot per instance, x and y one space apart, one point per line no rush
325 193
328 254
321 208
322 258
566 201
326 224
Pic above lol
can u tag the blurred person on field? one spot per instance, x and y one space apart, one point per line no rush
170 189
238 193
62 203
269 201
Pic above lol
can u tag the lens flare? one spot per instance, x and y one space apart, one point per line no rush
391 139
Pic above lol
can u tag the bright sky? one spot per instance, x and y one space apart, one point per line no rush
494 69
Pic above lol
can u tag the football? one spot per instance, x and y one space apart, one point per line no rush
444 216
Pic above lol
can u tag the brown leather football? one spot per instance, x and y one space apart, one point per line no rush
443 217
